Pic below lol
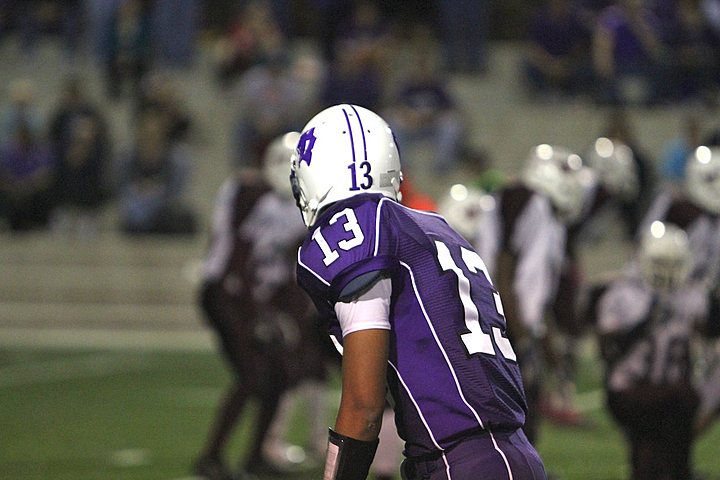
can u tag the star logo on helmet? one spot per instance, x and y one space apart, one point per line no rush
305 146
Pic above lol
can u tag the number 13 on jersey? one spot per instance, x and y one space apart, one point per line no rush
476 341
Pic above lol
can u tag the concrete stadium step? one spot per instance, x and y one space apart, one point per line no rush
147 284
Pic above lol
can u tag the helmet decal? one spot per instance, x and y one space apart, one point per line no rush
305 146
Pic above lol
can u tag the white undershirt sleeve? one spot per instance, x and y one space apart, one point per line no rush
369 310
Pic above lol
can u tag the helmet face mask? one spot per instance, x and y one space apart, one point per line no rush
344 151
703 178
664 256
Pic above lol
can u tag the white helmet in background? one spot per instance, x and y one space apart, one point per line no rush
664 256
558 173
276 163
343 151
614 164
464 207
703 178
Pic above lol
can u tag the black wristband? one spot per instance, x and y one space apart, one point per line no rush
348 458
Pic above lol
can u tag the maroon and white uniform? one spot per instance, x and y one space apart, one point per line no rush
525 225
647 342
249 293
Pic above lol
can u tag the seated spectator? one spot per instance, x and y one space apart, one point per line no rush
424 109
79 140
351 78
270 101
20 111
26 181
556 60
127 50
692 47
627 50
153 182
159 94
254 36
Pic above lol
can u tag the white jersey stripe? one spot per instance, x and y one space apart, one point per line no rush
440 347
417 407
309 269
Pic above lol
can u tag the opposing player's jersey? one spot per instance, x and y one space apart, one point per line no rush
647 338
524 224
452 371
254 237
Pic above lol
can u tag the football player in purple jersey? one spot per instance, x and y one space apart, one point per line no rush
262 319
412 308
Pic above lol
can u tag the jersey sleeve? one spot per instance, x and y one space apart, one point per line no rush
370 310
346 252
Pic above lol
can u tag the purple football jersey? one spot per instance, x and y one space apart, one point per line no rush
452 372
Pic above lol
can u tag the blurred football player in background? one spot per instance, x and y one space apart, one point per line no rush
647 319
413 309
612 181
523 244
264 323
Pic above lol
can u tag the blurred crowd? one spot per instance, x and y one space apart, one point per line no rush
279 61
625 52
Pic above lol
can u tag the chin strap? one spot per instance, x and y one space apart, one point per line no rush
348 458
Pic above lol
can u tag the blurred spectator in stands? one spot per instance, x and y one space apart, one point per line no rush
676 151
175 27
367 33
357 71
618 127
464 27
692 47
159 94
72 26
711 12
153 182
253 37
79 139
269 102
5 17
627 52
424 110
26 180
21 111
557 60
128 49
350 78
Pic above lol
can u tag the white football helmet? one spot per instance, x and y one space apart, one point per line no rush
276 160
559 174
343 151
614 163
703 178
664 256
463 207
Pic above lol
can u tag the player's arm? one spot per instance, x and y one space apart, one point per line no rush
366 333
365 354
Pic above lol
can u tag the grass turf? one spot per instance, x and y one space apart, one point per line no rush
130 415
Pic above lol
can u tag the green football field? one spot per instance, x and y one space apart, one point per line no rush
118 414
